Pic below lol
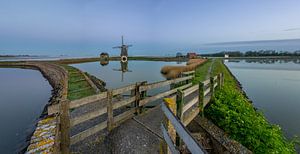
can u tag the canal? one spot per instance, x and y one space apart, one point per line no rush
274 88
117 74
23 96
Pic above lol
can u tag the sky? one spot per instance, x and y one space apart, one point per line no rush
153 27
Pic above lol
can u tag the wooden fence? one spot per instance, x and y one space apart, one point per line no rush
199 96
137 100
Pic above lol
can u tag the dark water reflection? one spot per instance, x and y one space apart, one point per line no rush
274 87
23 95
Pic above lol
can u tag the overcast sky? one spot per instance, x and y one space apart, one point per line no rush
150 25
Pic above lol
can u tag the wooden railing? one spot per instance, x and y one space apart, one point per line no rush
135 103
199 96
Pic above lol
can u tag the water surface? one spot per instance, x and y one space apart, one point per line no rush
274 88
117 74
23 95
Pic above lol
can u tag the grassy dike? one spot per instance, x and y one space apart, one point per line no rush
78 87
201 71
231 111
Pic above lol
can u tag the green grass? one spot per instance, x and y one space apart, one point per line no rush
75 87
74 96
231 111
201 72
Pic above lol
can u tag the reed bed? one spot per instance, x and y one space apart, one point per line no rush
171 72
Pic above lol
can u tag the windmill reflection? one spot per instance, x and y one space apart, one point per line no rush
123 69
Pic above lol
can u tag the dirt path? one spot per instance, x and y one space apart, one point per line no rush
209 69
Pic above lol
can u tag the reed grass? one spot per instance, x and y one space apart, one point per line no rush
171 72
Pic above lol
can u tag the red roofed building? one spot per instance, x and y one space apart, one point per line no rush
191 55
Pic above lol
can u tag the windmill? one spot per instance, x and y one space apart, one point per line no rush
124 51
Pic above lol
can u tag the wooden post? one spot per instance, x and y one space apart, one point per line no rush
212 86
142 96
201 98
65 126
219 81
222 79
132 94
179 114
137 97
187 81
171 104
110 113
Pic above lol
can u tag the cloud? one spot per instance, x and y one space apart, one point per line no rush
292 29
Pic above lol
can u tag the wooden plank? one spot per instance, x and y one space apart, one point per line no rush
190 90
201 98
215 78
206 91
212 83
124 116
179 112
65 127
91 83
206 82
142 95
187 73
222 79
86 100
124 102
123 89
169 141
191 116
161 95
216 84
163 83
110 111
82 135
88 116
137 97
190 142
219 81
206 101
190 104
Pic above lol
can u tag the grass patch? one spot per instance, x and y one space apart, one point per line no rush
231 111
201 71
74 88
81 94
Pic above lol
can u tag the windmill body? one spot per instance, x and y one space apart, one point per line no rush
124 50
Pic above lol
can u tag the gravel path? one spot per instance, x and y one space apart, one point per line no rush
130 137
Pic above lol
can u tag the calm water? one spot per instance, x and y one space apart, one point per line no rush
274 88
114 77
23 95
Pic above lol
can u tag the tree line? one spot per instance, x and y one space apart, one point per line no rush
259 53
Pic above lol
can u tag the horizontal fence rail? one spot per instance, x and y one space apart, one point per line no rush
164 94
163 83
87 100
193 146
198 97
109 103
